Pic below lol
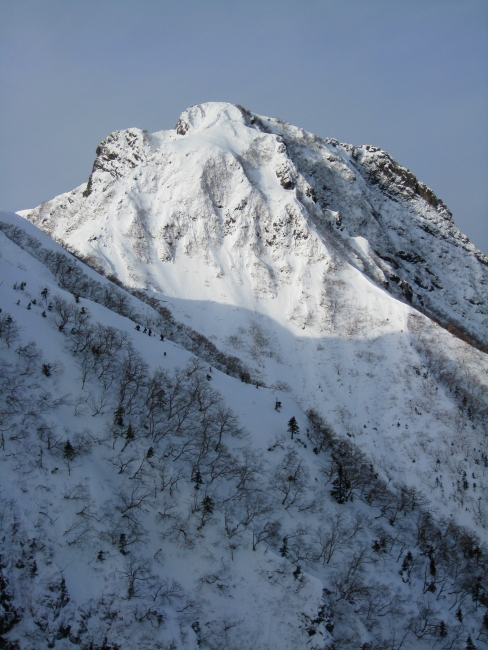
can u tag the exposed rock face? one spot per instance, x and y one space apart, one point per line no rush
257 198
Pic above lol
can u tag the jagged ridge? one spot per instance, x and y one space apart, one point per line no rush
261 189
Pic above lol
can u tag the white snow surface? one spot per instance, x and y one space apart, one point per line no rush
266 208
320 266
200 218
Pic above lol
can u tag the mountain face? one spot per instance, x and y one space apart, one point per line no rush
257 418
259 200
317 264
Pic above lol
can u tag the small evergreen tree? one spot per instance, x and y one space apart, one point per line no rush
130 433
197 479
407 562
208 505
284 548
293 427
341 486
442 629
118 418
469 644
432 567
122 543
68 451
379 545
46 369
485 621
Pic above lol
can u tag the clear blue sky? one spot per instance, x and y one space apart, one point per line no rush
409 76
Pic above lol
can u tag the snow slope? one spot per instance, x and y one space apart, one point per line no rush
318 275
151 501
300 256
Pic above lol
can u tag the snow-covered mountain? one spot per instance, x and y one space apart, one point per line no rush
268 207
299 257
287 282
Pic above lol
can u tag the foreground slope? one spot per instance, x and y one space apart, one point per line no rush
311 280
151 501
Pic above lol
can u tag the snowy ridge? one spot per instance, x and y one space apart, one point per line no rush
313 272
257 198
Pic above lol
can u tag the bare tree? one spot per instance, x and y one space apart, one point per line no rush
9 330
337 535
348 580
265 531
64 312
138 574
29 359
290 479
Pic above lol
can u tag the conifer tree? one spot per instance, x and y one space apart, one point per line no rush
293 427
197 479
122 543
46 369
341 486
119 419
130 432
208 505
284 548
68 451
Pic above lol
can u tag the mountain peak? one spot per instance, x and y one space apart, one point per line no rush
203 116
256 200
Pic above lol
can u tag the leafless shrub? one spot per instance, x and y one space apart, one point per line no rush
290 479
9 330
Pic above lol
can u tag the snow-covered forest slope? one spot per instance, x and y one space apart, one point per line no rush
296 456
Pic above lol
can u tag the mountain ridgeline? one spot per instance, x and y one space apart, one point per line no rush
230 184
243 401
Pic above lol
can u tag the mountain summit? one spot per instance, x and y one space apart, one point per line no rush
264 205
